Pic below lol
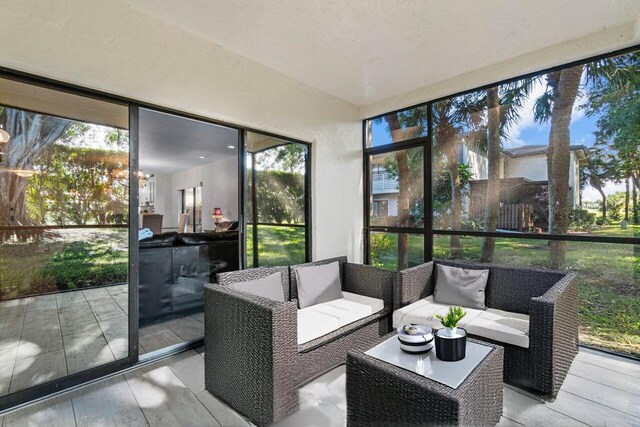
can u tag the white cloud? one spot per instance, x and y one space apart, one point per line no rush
526 117
591 194
526 114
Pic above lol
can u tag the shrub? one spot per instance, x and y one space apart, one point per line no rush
380 243
603 221
581 219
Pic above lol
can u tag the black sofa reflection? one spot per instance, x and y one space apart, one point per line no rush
175 267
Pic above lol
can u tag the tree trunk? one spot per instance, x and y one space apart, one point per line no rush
565 85
492 199
403 194
634 197
31 133
604 202
456 250
626 198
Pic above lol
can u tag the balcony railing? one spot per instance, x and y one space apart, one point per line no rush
382 182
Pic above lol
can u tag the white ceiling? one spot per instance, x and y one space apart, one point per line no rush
169 144
365 51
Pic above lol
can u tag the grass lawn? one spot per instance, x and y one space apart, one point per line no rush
63 259
276 245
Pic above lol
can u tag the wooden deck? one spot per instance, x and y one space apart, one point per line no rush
600 390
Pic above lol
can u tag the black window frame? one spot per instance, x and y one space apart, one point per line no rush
427 143
254 213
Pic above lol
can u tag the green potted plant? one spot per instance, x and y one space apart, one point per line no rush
450 321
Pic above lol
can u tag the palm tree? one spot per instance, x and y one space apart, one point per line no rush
556 106
503 110
397 134
453 118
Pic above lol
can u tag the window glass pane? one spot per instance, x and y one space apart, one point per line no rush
494 168
397 127
275 183
393 251
64 237
280 245
189 203
397 188
609 289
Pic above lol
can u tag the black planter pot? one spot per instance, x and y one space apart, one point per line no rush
451 349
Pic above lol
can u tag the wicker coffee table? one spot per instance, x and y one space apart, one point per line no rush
380 393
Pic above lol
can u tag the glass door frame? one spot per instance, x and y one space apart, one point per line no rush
308 247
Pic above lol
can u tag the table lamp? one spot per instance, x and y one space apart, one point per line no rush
217 214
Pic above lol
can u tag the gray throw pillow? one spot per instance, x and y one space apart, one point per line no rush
267 287
460 286
318 283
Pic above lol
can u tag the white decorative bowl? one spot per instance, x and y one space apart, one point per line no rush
420 342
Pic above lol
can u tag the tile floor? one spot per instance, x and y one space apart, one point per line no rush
601 390
49 336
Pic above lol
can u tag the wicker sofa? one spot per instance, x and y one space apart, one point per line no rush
254 361
547 299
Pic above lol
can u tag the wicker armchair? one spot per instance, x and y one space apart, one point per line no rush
550 298
253 361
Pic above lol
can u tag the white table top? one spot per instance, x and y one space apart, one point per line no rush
451 374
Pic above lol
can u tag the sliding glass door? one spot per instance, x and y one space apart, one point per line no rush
189 225
64 239
277 201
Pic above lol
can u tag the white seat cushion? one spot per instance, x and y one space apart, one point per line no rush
498 325
502 326
321 319
312 324
423 312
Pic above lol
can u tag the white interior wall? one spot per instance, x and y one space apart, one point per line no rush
219 190
109 46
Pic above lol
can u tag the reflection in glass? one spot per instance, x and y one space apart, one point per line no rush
397 188
397 127
194 200
275 197
396 251
64 241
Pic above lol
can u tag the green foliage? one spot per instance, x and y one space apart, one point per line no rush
615 206
279 185
78 185
452 318
280 197
285 158
442 194
379 244
581 219
415 162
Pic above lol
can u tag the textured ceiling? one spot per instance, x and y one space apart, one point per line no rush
365 51
169 144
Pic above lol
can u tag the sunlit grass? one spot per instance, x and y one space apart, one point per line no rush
276 245
65 259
